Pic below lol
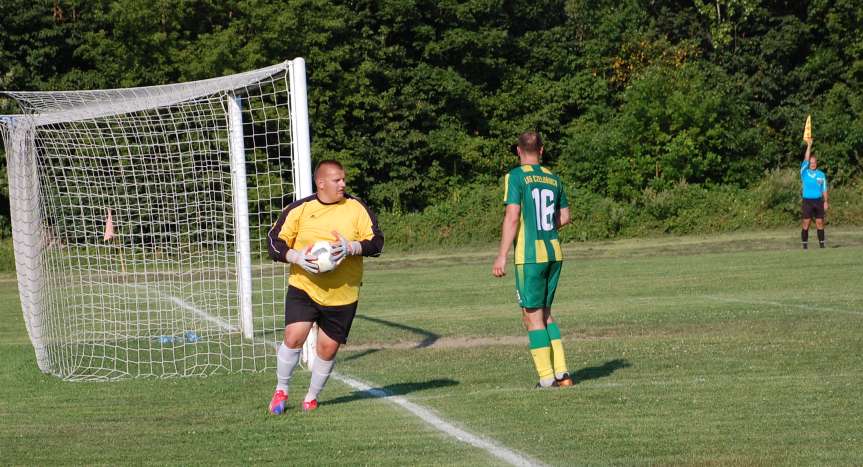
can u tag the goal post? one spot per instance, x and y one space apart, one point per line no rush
139 222
241 213
303 177
27 233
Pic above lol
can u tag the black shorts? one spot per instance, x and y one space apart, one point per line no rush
335 321
812 207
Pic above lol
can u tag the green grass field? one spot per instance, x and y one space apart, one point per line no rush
734 349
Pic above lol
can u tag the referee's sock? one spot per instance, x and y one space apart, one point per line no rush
821 238
804 238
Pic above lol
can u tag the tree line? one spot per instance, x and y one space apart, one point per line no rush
421 99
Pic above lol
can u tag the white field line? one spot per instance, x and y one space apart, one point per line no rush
783 305
190 307
507 455
426 415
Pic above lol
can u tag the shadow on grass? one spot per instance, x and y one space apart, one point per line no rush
601 371
393 390
360 354
429 338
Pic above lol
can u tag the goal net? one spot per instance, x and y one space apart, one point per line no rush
139 222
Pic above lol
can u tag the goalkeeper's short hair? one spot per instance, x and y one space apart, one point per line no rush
328 162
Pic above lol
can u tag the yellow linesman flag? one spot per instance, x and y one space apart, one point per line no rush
807 129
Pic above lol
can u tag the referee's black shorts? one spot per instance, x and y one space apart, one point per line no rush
812 207
335 321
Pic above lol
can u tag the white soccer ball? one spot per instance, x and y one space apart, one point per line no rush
323 250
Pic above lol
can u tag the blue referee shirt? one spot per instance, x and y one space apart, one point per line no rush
814 182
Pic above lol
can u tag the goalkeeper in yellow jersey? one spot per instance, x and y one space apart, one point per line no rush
536 207
326 298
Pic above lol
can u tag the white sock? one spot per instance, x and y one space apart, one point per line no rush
320 372
286 361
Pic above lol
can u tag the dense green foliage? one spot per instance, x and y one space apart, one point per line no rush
421 99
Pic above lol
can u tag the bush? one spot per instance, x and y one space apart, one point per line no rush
846 205
776 198
7 255
597 218
692 209
472 214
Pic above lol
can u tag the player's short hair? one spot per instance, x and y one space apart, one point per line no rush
529 142
328 163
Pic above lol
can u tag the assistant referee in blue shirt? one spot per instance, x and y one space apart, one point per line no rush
814 196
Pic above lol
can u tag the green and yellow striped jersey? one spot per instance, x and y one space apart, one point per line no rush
540 194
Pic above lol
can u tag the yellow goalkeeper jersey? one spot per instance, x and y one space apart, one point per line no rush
307 221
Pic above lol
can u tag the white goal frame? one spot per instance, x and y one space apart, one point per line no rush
249 323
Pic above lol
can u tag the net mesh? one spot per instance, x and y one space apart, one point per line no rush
125 231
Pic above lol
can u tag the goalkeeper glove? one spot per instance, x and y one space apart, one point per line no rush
305 261
344 248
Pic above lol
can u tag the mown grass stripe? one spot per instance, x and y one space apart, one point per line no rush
783 305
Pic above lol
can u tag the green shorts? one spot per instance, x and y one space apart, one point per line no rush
535 284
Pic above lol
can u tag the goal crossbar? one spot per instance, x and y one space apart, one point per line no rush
50 107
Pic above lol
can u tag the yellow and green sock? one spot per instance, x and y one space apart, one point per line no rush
540 350
557 354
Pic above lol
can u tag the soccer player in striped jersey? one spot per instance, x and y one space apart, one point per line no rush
329 298
536 207
814 197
